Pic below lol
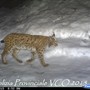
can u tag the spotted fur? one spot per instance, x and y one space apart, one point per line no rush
35 43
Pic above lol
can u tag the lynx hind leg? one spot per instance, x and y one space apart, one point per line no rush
14 54
4 55
32 57
41 58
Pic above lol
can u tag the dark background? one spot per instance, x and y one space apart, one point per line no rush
18 3
12 3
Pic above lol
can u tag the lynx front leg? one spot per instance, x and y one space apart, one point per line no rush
41 57
14 54
32 57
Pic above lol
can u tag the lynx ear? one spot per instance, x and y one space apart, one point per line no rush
53 34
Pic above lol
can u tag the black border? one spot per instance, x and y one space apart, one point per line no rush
28 88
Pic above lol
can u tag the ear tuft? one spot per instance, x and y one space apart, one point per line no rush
53 34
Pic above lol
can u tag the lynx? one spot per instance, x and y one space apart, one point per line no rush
37 44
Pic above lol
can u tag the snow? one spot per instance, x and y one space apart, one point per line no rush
69 61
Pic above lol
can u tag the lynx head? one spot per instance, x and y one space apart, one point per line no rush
52 40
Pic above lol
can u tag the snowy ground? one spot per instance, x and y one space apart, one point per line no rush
69 61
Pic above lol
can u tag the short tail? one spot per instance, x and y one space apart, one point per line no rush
2 41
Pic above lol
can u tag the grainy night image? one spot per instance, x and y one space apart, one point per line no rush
69 61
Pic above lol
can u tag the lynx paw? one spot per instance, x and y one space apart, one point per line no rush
45 65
